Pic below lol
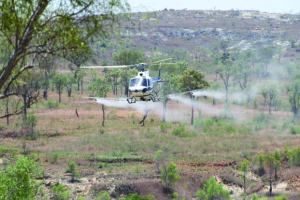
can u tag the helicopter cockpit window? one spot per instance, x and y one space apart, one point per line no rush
134 82
138 82
144 82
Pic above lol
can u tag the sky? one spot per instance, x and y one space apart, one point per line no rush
271 6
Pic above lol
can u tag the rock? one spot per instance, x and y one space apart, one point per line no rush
1 162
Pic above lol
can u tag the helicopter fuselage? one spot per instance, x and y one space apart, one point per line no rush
141 87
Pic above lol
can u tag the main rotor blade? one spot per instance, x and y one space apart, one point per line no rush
162 60
102 67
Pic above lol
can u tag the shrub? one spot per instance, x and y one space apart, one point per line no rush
293 156
181 132
102 164
132 115
212 190
17 182
152 119
294 130
163 127
72 170
51 104
103 195
55 156
60 193
169 175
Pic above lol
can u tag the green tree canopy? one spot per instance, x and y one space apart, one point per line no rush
192 79
212 190
41 27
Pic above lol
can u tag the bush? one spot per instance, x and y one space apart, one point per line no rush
102 164
17 182
55 156
181 132
212 190
51 104
60 193
103 195
163 127
72 170
169 175
294 130
293 156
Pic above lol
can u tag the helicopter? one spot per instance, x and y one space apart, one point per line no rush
141 87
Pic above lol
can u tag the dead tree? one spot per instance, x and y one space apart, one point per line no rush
145 116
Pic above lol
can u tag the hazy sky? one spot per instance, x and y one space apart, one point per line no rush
272 6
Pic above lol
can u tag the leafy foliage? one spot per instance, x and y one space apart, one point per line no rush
169 174
72 169
17 181
212 190
60 193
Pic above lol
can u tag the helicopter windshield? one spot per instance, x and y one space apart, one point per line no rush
138 82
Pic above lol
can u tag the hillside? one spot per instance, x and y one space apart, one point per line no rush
185 29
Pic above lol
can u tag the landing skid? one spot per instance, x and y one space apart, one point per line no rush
155 98
131 100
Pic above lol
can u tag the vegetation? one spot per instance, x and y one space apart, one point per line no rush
17 180
72 169
169 174
212 190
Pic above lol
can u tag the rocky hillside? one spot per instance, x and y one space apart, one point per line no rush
185 30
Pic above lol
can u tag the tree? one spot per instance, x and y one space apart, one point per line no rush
244 165
59 81
160 158
17 181
192 79
266 54
46 65
242 69
69 83
167 88
226 69
212 190
79 57
72 169
270 162
278 159
41 27
128 57
79 75
270 92
101 87
169 175
261 161
293 89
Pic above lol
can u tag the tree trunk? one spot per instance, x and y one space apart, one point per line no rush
226 87
81 85
276 177
78 86
164 109
270 105
59 95
103 116
192 115
270 181
6 112
25 106
45 95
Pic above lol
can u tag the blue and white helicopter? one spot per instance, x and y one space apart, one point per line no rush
141 87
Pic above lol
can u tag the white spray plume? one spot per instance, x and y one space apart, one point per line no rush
139 106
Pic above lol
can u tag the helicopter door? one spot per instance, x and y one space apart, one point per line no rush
149 86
